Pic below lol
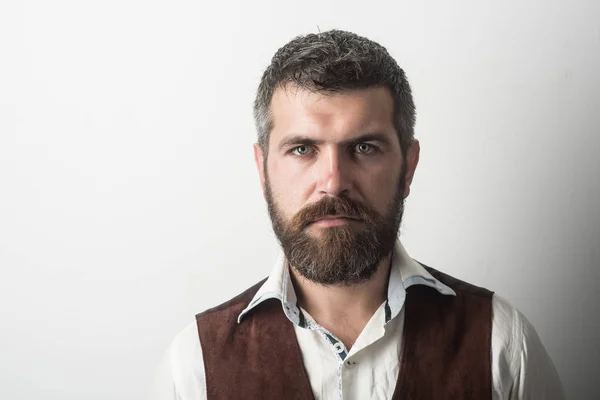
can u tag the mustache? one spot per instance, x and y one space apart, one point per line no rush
329 206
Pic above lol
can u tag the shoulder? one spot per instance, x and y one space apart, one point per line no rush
520 363
186 359
185 350
182 372
512 332
508 324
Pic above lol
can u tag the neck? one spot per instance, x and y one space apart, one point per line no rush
343 310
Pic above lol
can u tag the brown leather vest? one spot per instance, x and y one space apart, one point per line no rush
446 347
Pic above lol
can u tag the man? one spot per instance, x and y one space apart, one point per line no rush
346 313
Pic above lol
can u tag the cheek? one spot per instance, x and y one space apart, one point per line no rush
380 186
287 188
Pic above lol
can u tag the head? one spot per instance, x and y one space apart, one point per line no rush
336 153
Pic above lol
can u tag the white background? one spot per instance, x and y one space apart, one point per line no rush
129 200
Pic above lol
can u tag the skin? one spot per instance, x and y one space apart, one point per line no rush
329 145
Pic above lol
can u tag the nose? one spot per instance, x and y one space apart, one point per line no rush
333 172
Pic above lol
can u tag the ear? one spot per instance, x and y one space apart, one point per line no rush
259 160
412 159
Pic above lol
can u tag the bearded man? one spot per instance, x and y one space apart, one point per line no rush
346 313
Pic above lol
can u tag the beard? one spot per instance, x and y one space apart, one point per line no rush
340 255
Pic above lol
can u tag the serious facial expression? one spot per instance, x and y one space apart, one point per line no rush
335 181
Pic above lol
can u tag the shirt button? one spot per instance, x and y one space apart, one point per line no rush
338 347
350 364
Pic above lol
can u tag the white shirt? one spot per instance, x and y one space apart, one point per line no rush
521 367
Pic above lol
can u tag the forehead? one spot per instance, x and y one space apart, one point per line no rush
341 114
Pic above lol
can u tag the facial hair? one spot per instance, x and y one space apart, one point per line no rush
340 255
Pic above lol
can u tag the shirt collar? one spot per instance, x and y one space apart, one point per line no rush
405 272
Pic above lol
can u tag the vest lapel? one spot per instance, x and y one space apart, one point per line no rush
256 359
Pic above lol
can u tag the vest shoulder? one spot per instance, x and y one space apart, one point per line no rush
238 302
458 285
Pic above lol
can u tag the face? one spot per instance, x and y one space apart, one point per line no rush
335 181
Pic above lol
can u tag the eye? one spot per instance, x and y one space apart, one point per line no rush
364 148
301 150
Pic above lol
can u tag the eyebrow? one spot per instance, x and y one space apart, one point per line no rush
307 140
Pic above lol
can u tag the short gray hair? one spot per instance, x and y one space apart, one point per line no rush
330 62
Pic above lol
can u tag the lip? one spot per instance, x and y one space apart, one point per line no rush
328 217
333 221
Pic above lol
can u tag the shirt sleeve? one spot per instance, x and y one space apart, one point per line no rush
180 374
522 368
